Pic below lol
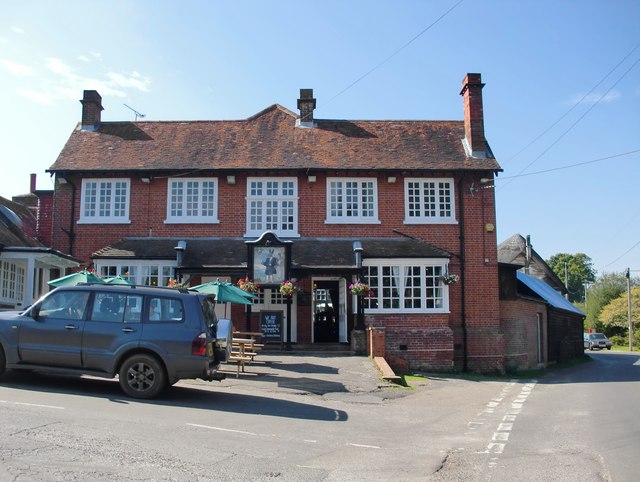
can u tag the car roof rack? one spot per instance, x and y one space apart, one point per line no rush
133 287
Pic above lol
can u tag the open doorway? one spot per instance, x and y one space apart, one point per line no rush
326 311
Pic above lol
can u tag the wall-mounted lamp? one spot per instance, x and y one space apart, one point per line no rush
231 179
146 180
311 178
61 180
391 179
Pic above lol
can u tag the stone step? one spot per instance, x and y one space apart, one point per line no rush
337 348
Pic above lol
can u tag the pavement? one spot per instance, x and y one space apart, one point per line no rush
332 376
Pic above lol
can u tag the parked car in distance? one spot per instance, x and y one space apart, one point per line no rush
598 341
150 337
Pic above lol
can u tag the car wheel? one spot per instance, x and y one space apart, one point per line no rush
142 376
590 347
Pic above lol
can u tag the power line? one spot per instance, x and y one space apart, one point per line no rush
572 107
622 255
567 167
577 121
376 67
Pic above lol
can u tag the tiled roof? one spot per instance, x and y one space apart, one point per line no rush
270 140
305 252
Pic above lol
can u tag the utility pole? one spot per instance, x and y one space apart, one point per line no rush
628 275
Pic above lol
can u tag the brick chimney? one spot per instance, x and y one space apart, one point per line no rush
91 110
475 143
306 105
32 183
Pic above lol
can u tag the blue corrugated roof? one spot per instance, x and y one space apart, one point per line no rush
547 293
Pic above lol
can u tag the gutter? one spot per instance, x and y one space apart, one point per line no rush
71 232
463 310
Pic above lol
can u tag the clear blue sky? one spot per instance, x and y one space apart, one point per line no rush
188 60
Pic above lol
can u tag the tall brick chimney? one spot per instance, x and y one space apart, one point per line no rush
306 105
91 110
475 142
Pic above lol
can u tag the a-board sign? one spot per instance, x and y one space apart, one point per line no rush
271 325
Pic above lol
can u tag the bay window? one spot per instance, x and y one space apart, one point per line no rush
405 285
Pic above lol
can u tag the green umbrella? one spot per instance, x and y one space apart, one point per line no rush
225 292
118 280
73 279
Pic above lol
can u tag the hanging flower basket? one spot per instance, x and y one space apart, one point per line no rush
288 289
450 279
361 289
173 283
247 285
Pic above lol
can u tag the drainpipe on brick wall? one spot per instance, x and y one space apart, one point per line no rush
71 232
463 310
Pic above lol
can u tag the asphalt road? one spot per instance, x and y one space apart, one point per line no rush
327 418
579 423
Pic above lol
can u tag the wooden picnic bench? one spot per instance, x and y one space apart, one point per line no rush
242 352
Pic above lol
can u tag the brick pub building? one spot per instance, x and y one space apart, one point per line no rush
404 206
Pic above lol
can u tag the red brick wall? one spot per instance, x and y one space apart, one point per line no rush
45 217
432 341
519 323
423 342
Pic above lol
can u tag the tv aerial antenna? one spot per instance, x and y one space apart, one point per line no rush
138 114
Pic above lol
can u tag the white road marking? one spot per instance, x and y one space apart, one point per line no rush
33 405
365 446
221 429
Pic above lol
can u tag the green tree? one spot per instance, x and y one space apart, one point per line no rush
606 288
616 314
579 269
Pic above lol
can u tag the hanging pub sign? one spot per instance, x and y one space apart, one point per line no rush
269 259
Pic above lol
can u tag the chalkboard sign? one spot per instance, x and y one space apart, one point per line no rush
271 325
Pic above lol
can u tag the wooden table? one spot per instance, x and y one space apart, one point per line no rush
254 335
244 353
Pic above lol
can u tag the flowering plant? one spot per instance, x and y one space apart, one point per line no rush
247 285
450 279
287 288
361 289
173 283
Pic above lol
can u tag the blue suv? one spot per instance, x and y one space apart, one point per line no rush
149 337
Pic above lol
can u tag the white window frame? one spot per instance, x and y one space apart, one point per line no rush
266 197
96 217
184 217
439 266
439 205
127 271
166 269
344 217
12 282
